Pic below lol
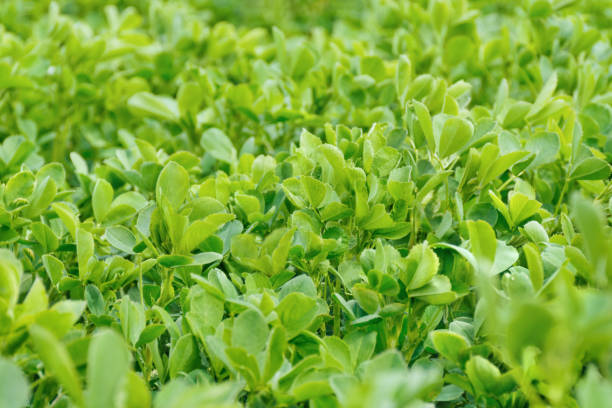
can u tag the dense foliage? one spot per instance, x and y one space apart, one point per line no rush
323 203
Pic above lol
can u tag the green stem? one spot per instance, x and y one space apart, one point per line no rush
337 314
563 191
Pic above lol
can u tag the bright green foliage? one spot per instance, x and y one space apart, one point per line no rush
305 203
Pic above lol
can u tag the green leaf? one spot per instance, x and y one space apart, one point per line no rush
350 272
121 238
68 217
136 391
437 292
544 96
250 331
133 320
281 252
296 311
482 373
534 262
314 189
184 356
197 232
522 207
160 107
275 348
450 345
101 199
483 244
591 168
218 145
173 184
426 124
400 185
57 361
95 300
85 251
419 267
455 134
20 185
544 146
108 363
403 78
592 390
150 333
189 98
530 325
14 390
54 267
367 298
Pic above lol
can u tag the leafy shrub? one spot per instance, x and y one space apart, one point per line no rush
307 203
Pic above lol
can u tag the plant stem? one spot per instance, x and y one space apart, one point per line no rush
563 191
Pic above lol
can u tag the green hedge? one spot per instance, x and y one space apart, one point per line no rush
373 203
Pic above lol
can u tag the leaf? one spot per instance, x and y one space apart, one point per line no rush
250 331
403 77
281 252
68 217
534 262
314 189
160 107
150 333
184 356
419 267
121 238
399 184
218 145
136 391
133 320
530 325
54 267
350 272
245 364
592 390
438 291
522 207
516 114
189 98
377 218
544 96
95 301
367 298
296 311
198 231
450 345
426 124
173 184
499 166
455 134
108 362
591 168
20 185
275 348
85 251
544 146
483 244
482 373
101 199
57 361
505 257
14 390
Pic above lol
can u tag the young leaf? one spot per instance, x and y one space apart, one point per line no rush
218 145
108 363
57 360
455 133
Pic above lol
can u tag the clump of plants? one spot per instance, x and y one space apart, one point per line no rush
315 203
